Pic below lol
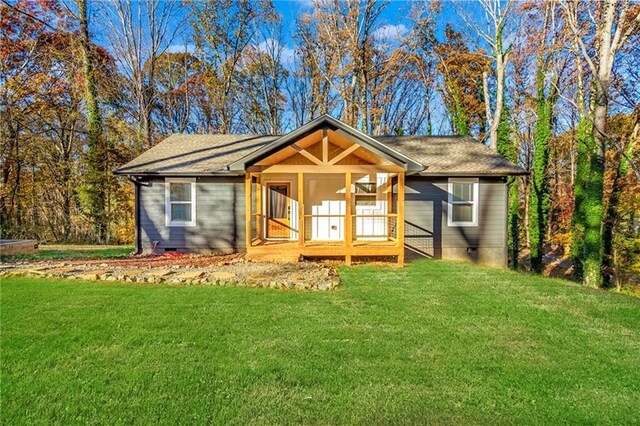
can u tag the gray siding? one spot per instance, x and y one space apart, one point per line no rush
427 232
220 225
220 220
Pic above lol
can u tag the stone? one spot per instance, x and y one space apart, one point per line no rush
129 273
222 275
92 275
38 271
259 277
159 272
190 275
62 271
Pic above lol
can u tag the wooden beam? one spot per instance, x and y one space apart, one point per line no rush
307 154
343 154
286 168
389 203
259 206
301 226
400 225
347 219
247 209
325 146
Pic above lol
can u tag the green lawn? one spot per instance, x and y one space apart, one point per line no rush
54 252
435 342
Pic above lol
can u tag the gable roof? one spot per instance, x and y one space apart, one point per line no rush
190 155
326 121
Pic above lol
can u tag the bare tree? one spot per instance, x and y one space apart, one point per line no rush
496 13
140 32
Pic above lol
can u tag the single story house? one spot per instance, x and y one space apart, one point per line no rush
324 189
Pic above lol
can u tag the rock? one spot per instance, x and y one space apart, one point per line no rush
259 277
159 272
38 271
129 273
91 275
222 275
111 278
190 275
62 271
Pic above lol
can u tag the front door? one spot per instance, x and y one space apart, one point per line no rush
278 210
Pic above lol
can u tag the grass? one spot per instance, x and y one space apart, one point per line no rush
70 252
435 342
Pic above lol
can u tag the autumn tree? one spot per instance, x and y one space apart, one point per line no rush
139 34
599 36
222 32
461 70
546 95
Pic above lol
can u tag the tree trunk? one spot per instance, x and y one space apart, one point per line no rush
95 163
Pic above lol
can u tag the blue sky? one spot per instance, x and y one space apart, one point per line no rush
392 21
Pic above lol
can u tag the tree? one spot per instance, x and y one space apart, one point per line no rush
546 86
461 70
492 32
507 147
97 169
613 23
140 32
222 32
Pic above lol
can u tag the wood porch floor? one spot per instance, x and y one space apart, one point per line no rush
290 251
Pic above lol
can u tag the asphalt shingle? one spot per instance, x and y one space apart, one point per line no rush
202 154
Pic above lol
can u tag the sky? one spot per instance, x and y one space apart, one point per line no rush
392 22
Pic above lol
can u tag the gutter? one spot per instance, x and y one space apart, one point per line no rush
477 174
129 174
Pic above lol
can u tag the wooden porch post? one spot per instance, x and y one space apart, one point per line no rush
259 218
400 225
301 226
347 219
247 209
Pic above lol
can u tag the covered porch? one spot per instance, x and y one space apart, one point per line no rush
324 195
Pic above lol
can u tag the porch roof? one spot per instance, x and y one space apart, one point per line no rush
190 155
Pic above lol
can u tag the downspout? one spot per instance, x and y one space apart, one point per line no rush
509 180
138 236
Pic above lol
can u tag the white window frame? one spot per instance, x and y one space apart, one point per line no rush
474 203
168 202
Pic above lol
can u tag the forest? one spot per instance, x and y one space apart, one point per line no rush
554 86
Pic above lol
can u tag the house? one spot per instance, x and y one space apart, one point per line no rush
324 189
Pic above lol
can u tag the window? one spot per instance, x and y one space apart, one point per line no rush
180 195
463 202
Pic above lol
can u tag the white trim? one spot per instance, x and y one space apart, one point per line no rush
474 203
168 202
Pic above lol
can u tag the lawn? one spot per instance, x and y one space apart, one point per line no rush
67 251
434 342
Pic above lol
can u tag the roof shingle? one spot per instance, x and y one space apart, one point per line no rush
211 154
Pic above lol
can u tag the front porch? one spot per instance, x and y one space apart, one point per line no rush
324 196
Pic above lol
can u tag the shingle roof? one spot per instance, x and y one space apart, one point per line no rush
449 155
210 154
184 154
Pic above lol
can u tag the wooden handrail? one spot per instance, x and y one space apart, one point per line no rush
353 215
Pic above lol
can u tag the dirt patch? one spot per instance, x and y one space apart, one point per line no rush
186 269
